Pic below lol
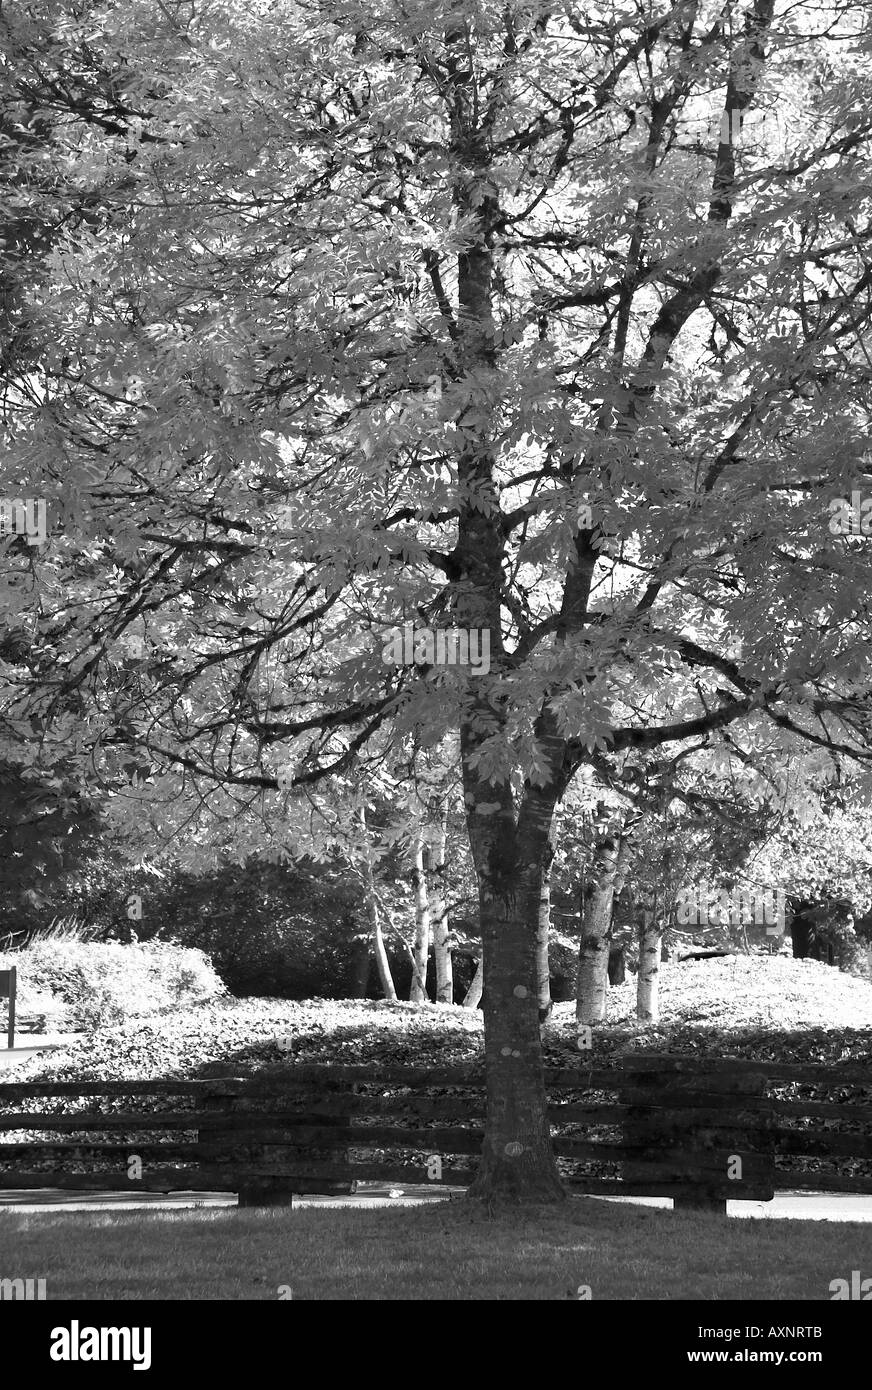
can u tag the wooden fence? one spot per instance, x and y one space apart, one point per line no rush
700 1131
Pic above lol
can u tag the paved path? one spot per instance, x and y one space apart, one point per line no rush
29 1044
790 1206
786 1206
61 1200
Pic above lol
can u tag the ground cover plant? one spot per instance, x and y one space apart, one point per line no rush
770 1007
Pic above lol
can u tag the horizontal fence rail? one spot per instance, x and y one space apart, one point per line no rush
697 1130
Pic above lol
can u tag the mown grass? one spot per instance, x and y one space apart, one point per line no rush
448 1250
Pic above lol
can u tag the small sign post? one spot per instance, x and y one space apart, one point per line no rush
7 991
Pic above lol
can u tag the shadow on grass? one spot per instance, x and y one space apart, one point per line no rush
451 1251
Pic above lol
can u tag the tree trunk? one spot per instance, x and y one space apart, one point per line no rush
472 997
543 971
802 931
517 1156
378 944
439 905
361 958
650 946
381 956
421 948
593 951
508 843
617 966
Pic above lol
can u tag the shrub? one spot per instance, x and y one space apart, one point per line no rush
271 930
94 984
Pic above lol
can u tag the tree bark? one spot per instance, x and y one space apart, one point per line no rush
361 957
593 951
800 932
421 948
650 945
378 944
617 965
508 841
517 1156
543 971
439 906
472 998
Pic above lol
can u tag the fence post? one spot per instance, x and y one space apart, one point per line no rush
266 1192
703 1183
255 1191
263 1190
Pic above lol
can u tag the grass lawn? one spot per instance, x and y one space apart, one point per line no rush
442 1251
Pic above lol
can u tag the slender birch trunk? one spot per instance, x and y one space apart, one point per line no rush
650 943
472 998
439 912
609 872
421 948
593 951
378 944
543 972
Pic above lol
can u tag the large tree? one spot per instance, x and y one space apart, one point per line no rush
525 318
